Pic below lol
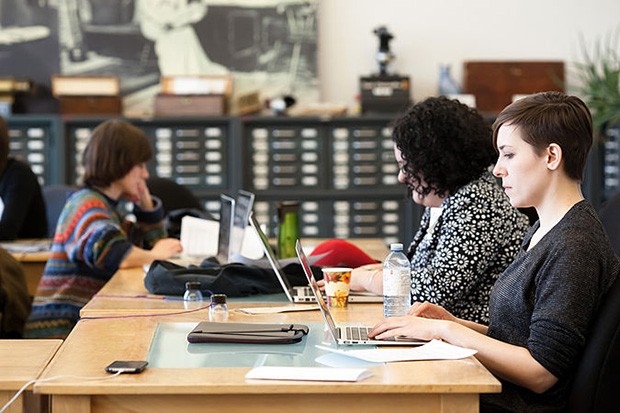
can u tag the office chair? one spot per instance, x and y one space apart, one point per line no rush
173 196
55 197
177 201
610 217
594 388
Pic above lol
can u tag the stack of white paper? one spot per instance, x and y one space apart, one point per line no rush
199 237
433 350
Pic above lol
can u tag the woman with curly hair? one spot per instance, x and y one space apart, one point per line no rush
469 232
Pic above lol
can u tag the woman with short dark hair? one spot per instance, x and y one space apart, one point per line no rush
93 238
543 306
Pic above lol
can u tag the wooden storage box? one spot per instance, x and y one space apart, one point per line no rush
91 105
190 105
196 85
495 83
85 85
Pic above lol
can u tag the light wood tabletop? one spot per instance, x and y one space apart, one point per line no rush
32 255
447 385
20 362
125 292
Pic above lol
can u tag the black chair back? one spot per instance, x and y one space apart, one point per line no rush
595 385
55 197
173 196
610 217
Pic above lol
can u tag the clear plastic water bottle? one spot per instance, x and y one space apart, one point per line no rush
218 310
193 296
396 282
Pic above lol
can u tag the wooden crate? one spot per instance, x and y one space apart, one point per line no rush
91 105
190 105
495 83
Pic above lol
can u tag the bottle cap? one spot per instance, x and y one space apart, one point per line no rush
192 285
218 298
396 246
286 207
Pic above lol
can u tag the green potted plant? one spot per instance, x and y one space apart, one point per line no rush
599 75
599 86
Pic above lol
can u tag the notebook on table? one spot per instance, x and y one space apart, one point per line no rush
300 294
198 236
348 335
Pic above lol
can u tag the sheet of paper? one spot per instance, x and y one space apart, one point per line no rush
308 373
27 246
279 309
251 246
338 360
433 350
199 237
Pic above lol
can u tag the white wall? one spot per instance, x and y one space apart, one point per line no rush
431 32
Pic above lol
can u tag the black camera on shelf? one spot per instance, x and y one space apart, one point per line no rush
383 92
384 56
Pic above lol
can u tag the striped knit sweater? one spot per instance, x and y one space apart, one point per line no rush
90 242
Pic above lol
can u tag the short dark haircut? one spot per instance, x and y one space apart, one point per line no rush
4 144
552 117
115 147
445 142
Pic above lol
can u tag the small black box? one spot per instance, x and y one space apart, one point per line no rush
384 94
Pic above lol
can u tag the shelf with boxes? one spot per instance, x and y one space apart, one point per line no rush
342 216
37 140
352 155
341 170
199 153
611 163
196 153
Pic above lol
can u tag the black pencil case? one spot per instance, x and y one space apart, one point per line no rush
251 333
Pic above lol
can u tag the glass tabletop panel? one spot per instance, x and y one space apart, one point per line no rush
170 349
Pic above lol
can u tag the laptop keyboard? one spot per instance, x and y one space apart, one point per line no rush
355 333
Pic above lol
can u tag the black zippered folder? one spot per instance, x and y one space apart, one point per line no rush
250 333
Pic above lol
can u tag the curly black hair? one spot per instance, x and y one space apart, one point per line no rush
444 142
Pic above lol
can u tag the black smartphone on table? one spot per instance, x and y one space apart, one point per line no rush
131 367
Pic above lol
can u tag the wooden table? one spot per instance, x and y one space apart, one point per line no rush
424 386
20 362
32 263
125 292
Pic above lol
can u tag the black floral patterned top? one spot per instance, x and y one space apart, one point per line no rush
456 261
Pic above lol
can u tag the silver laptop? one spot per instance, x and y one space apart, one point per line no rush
301 294
227 210
349 335
305 295
243 206
273 261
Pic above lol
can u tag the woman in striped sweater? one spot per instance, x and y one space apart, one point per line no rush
98 232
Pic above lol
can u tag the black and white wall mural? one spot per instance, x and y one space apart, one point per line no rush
268 46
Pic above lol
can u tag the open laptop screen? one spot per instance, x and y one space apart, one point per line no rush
227 209
271 257
243 207
305 265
